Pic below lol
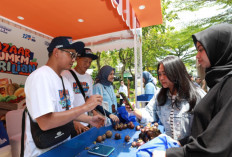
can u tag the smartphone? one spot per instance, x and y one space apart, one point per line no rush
126 99
101 150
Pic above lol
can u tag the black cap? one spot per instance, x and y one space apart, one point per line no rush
87 52
63 42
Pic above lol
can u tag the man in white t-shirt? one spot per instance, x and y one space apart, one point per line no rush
45 90
84 60
122 89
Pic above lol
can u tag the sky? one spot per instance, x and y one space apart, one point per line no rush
186 17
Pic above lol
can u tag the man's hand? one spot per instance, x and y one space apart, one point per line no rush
95 112
93 101
159 153
97 121
80 128
114 117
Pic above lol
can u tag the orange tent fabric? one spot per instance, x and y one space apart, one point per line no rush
60 17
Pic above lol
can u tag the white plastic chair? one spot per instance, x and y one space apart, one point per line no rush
13 128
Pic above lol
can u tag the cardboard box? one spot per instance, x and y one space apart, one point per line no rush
12 106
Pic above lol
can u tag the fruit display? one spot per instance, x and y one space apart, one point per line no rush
144 134
147 133
11 92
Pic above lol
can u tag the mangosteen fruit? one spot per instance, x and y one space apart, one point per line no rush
156 124
117 136
140 143
132 126
99 139
134 144
138 128
145 139
124 126
108 134
127 138
103 137
142 135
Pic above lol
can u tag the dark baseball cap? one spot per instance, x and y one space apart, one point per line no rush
87 52
63 42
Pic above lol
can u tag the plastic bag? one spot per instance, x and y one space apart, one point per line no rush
161 142
124 116
4 140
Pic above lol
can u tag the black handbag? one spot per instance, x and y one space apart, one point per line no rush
48 138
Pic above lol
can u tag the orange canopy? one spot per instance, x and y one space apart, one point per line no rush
61 17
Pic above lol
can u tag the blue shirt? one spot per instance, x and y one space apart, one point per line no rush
107 92
149 88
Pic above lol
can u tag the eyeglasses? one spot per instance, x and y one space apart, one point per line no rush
73 54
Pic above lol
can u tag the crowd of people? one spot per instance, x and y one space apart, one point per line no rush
196 117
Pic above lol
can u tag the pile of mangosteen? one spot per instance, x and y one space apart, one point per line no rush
147 133
121 126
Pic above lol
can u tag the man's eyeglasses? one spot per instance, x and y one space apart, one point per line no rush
73 54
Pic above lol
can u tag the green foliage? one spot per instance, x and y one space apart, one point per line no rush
162 40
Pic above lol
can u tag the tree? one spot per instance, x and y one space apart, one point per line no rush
124 58
154 38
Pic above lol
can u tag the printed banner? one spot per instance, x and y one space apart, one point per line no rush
14 60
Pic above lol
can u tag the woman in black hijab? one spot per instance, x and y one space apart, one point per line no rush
211 134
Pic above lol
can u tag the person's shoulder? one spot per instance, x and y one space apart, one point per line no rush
88 76
41 71
149 85
65 73
97 85
226 82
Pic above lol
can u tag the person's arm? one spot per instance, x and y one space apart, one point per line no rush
97 120
108 114
146 114
80 127
215 139
100 109
204 87
55 119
